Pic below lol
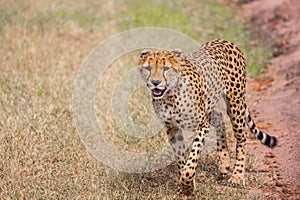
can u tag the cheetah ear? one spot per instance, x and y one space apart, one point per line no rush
145 53
177 52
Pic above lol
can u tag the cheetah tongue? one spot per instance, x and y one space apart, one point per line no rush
156 91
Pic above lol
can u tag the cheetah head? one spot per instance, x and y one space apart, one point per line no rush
160 70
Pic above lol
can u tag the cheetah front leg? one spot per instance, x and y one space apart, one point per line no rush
177 143
187 178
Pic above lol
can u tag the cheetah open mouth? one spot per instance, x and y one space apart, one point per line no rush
158 92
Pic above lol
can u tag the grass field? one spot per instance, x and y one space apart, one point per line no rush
42 45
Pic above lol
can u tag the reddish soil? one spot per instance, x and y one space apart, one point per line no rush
275 96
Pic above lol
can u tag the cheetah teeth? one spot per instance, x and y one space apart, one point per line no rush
158 92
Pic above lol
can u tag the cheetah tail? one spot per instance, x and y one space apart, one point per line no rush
264 138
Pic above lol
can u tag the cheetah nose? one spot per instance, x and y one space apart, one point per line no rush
155 82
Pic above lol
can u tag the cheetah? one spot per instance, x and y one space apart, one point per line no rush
185 89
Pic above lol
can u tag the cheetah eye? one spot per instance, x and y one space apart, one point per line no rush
166 68
148 68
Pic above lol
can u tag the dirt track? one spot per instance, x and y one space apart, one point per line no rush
275 97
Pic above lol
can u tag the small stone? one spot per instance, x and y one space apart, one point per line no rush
269 155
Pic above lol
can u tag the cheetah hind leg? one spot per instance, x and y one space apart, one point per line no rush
237 117
223 159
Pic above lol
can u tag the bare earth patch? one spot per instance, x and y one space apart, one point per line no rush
276 95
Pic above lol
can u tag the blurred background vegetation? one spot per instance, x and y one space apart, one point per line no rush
42 45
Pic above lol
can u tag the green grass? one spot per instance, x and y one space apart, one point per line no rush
42 45
155 14
64 16
202 20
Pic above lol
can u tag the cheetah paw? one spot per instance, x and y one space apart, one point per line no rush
236 181
187 187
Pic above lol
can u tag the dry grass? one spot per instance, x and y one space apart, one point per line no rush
42 44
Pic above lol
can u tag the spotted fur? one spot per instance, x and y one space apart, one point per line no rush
185 90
